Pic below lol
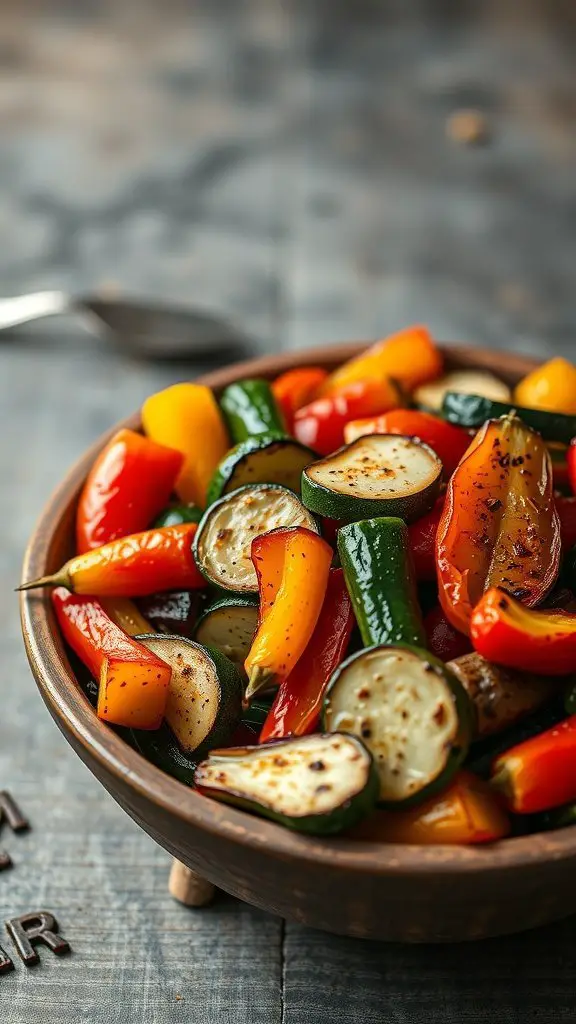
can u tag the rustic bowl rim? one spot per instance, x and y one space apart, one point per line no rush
58 687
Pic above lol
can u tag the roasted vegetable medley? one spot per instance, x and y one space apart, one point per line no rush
343 601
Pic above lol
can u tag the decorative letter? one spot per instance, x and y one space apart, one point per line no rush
29 929
10 813
5 962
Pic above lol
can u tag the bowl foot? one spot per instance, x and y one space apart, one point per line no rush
189 888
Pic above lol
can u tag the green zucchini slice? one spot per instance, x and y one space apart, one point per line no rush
269 459
223 542
467 382
375 556
205 695
376 475
250 409
162 748
474 410
229 626
173 515
410 711
315 784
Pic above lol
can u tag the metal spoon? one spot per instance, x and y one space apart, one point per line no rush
149 331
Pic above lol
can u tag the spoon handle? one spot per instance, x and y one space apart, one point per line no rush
22 309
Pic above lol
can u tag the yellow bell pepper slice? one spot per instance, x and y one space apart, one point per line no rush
186 417
125 614
551 386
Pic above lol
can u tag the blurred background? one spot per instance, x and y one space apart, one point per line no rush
291 163
309 171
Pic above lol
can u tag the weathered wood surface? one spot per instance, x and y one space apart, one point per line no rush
285 164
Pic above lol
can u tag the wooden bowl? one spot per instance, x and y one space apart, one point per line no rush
402 893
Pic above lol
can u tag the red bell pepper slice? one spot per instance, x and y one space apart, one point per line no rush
133 682
571 461
422 537
320 425
448 441
499 527
128 485
506 632
444 641
296 388
296 708
541 772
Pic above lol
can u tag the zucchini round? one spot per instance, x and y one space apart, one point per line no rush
467 382
162 748
376 475
250 409
229 626
269 459
223 542
473 411
205 694
375 556
315 784
410 711
173 515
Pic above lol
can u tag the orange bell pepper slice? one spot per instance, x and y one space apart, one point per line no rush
186 417
551 386
466 813
134 683
296 388
292 593
504 631
499 526
410 357
128 485
134 566
539 773
298 702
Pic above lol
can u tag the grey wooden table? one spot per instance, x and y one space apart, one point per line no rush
286 164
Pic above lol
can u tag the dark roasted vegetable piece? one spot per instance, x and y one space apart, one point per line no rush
485 749
162 749
172 612
501 696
